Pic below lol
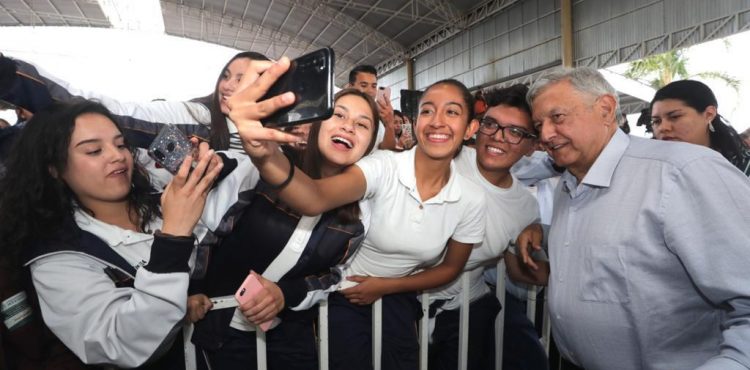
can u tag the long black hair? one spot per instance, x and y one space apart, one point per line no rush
312 159
723 138
35 204
219 139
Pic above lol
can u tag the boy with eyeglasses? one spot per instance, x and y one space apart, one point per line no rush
506 134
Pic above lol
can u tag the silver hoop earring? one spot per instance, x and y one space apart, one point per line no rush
711 127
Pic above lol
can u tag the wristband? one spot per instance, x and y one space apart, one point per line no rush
174 238
289 177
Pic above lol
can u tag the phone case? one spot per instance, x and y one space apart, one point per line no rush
406 127
310 78
249 288
384 94
169 148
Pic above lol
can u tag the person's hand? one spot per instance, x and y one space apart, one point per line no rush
369 289
530 238
246 111
184 197
520 273
197 307
385 110
265 305
406 141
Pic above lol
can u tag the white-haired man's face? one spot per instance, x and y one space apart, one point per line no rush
574 127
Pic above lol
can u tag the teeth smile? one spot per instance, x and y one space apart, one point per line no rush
438 136
341 140
492 149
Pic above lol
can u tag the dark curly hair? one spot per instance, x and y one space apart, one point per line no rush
33 203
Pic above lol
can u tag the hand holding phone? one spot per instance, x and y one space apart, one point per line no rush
310 78
384 94
169 148
249 289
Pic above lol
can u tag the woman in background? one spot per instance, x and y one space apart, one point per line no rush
686 111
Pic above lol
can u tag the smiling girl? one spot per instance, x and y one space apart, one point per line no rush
264 231
425 219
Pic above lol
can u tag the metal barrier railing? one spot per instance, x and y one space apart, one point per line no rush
423 334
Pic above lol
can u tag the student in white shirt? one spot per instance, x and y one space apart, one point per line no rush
422 211
505 136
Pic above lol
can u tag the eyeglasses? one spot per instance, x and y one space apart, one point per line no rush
511 134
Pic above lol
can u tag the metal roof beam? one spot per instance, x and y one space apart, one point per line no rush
209 19
16 14
446 10
10 14
328 25
399 34
474 16
302 28
56 10
688 36
410 16
353 26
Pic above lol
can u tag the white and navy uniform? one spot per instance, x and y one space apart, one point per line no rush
406 235
124 326
508 212
140 121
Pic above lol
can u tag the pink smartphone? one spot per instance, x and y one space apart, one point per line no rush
384 93
249 288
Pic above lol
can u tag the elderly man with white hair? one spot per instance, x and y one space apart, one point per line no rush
650 241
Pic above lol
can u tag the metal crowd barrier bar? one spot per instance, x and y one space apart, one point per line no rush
260 348
323 335
500 320
423 333
377 334
463 326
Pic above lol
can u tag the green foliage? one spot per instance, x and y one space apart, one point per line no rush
661 69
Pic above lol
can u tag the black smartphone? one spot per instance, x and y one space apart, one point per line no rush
170 147
310 78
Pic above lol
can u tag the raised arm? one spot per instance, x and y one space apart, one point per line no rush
140 120
104 324
309 197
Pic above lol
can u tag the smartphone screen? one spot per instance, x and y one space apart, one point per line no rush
310 78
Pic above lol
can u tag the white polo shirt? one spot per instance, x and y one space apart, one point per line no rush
508 212
407 234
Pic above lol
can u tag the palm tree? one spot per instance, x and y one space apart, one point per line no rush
662 69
